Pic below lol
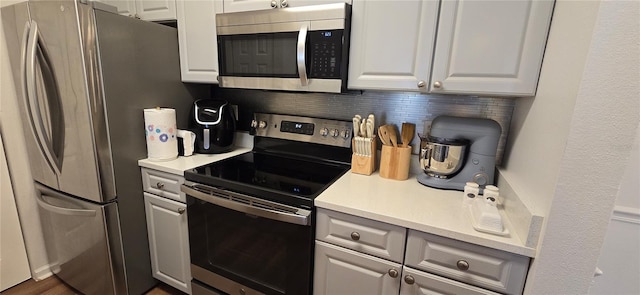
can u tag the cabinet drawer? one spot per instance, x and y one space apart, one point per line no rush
480 266
360 234
163 184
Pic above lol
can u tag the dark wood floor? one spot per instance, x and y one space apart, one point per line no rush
53 286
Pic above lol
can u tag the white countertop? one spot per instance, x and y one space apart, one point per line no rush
243 143
415 206
179 165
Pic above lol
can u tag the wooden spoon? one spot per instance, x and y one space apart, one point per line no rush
407 133
393 135
384 136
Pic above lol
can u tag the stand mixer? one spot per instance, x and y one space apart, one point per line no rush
459 150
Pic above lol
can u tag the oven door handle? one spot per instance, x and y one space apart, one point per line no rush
301 217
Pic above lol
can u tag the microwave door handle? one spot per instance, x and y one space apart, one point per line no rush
302 65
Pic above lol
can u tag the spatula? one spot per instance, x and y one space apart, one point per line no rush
382 133
407 133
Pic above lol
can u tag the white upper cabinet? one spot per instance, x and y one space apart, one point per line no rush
392 44
127 8
482 47
197 40
490 47
150 10
156 10
247 5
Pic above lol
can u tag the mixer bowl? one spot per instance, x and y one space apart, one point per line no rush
442 157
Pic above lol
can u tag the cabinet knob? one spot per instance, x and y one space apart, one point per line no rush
409 280
284 3
181 210
422 84
393 273
136 16
242 291
462 265
274 4
159 185
355 236
437 84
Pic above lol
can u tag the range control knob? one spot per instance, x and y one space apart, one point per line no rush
324 131
254 123
345 133
262 124
335 132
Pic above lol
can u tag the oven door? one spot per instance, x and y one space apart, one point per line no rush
239 242
283 56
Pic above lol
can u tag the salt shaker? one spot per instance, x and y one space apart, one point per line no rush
491 191
471 191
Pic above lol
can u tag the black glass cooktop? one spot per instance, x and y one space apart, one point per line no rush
283 179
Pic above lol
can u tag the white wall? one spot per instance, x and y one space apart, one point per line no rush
569 143
15 148
620 254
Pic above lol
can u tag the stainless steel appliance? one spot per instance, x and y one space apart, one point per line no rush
251 217
214 123
459 150
83 77
300 48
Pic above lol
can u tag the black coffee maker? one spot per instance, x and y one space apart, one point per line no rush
214 123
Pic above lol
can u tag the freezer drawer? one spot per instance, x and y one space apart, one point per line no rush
79 236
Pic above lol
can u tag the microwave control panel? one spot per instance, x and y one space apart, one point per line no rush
325 54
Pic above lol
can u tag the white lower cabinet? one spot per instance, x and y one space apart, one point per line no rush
167 228
340 271
355 255
415 282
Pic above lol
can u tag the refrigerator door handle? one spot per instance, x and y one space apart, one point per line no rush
60 210
52 149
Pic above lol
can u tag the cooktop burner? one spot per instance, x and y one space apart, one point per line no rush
294 159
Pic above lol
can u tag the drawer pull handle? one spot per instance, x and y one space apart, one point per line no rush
409 280
462 265
355 236
160 185
393 273
181 210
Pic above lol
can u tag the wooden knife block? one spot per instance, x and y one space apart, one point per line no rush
364 164
394 162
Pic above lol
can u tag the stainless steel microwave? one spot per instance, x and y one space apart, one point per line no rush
297 49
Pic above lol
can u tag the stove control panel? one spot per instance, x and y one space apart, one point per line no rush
304 129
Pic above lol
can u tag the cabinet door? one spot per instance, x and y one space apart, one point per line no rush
490 47
156 10
197 39
127 7
247 5
415 282
168 241
339 271
392 44
298 3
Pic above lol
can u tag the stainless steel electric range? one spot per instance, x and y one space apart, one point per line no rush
251 217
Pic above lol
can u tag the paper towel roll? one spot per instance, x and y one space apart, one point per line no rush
160 130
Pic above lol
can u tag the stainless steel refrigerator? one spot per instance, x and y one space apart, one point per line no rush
83 77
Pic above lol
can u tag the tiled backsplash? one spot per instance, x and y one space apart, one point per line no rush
388 107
